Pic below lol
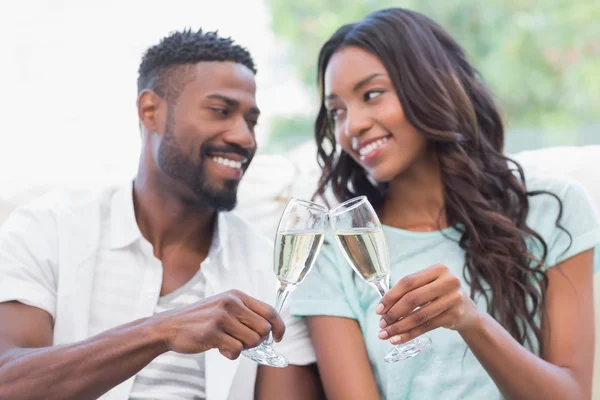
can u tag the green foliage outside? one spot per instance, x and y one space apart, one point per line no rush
540 58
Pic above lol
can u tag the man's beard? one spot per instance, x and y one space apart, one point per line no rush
174 163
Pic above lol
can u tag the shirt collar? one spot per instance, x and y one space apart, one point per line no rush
219 244
124 229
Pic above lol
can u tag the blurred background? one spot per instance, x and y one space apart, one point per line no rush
68 72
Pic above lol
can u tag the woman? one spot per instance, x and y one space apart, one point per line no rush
501 266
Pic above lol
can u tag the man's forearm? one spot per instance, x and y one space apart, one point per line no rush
83 370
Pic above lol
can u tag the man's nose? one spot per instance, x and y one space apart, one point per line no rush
241 134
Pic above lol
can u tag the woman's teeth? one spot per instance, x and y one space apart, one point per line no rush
227 162
372 146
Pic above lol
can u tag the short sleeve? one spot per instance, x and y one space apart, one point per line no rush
28 258
322 292
578 228
296 344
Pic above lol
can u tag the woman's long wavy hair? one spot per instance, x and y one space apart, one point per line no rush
444 98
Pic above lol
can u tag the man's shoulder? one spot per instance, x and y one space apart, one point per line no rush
73 197
73 203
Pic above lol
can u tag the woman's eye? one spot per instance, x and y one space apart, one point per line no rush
334 113
370 95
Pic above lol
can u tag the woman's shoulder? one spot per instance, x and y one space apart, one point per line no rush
563 212
558 185
553 194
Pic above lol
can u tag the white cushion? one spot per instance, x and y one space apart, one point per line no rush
579 163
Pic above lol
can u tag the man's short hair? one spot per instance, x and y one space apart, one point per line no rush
166 67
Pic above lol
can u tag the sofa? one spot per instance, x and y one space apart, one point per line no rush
272 179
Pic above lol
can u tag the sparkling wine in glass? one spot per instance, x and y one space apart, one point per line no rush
359 234
299 237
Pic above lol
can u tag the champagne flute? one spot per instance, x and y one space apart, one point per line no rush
359 234
300 234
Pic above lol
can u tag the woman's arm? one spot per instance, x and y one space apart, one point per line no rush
564 372
292 383
342 358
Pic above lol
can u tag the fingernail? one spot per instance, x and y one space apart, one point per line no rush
383 335
382 323
396 339
379 308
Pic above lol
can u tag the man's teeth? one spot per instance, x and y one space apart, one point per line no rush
227 162
372 146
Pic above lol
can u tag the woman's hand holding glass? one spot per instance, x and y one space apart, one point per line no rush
423 301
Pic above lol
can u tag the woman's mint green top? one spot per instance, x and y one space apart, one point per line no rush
447 370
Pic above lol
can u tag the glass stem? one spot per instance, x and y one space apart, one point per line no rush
381 285
282 294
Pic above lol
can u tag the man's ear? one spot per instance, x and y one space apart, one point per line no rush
151 111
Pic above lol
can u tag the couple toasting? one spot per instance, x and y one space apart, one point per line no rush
151 290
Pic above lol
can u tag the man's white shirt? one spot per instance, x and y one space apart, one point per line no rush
79 255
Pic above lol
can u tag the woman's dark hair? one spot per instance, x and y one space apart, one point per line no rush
444 98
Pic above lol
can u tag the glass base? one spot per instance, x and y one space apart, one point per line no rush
408 350
266 355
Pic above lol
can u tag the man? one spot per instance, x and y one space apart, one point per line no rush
123 292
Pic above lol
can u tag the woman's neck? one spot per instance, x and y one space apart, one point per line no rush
415 198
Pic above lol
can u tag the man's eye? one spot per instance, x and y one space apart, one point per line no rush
221 111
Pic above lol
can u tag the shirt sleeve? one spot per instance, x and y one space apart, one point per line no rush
323 290
28 258
578 227
296 344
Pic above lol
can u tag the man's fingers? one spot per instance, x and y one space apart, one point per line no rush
269 314
242 333
255 322
228 346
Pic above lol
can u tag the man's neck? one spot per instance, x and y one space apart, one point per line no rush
415 199
166 221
